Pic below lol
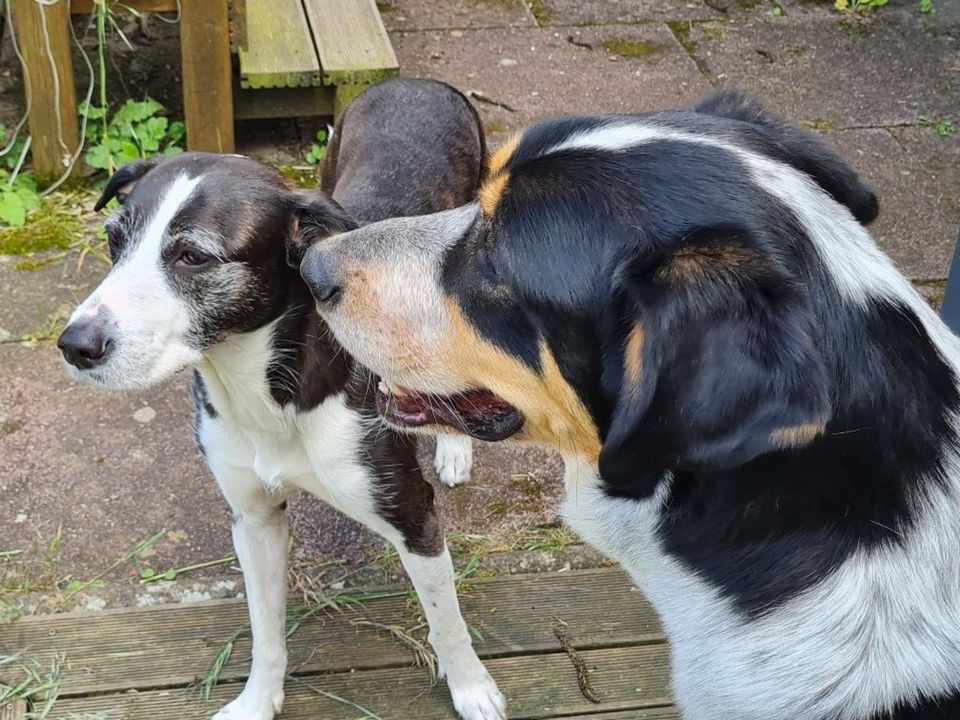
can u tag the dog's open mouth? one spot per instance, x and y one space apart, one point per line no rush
478 413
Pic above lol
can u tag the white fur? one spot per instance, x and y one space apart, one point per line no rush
454 459
152 322
882 628
260 454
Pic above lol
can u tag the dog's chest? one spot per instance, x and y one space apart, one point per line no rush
273 447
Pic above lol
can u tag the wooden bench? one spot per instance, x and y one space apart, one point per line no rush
296 57
310 57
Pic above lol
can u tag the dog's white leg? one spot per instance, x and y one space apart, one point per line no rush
260 535
474 692
454 459
397 502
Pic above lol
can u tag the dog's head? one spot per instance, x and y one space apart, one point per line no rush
202 247
641 291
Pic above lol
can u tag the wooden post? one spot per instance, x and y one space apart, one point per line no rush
53 118
207 75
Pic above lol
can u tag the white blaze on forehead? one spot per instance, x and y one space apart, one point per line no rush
175 198
140 268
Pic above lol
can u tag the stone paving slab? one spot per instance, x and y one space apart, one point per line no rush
916 174
451 14
30 298
556 71
882 73
602 12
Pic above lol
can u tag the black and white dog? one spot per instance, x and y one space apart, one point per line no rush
758 413
202 249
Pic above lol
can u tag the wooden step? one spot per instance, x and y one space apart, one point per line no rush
146 663
175 644
280 51
536 686
351 41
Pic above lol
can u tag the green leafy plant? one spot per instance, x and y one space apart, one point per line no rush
18 190
135 131
319 149
926 6
942 127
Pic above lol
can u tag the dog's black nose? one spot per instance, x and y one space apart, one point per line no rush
321 277
85 344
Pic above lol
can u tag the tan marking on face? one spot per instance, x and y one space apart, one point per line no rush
553 412
696 263
499 159
798 435
492 192
633 356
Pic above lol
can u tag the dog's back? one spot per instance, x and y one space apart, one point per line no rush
405 147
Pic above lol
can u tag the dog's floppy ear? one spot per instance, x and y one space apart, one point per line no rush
800 148
720 364
122 182
315 217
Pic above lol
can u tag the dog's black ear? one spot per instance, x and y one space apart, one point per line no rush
720 363
801 148
122 182
315 217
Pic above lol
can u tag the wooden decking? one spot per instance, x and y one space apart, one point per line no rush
147 664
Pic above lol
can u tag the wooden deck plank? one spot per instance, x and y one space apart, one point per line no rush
173 645
13 710
279 51
536 686
352 43
282 102
661 713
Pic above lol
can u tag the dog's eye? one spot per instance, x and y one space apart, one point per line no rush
114 242
192 260
485 265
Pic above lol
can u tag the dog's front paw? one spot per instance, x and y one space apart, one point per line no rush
476 696
454 459
252 705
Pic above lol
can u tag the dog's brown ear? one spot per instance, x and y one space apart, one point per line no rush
122 182
314 217
720 362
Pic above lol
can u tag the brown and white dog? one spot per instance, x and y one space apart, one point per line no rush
758 413
205 251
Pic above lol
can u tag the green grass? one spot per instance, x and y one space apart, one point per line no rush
38 686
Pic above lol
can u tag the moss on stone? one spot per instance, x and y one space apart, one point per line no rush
541 11
8 427
632 49
819 124
46 230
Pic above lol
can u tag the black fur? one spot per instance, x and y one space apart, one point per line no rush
117 185
942 708
745 334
